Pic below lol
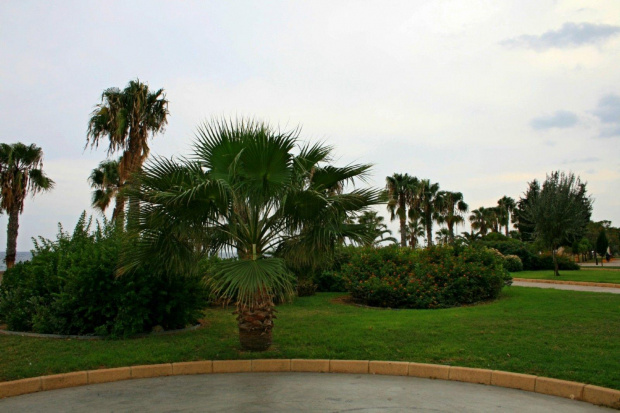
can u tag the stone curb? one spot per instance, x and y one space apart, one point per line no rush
568 389
583 284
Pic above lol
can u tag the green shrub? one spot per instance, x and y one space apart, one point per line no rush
305 287
545 262
330 281
512 263
70 287
441 276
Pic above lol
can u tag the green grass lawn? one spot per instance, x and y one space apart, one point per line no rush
584 275
562 334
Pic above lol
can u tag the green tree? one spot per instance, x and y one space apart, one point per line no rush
377 229
106 182
601 245
506 207
560 212
429 202
401 190
414 230
482 219
520 218
21 173
244 190
452 212
126 118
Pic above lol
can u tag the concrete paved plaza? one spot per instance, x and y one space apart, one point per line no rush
291 392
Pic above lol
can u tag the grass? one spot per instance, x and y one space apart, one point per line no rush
598 276
562 334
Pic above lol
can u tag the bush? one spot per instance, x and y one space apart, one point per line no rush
305 288
545 262
70 287
330 281
512 263
531 261
442 276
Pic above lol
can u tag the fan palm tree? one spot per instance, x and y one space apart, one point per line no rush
106 182
507 206
414 230
126 118
429 202
21 173
379 232
244 190
453 209
482 219
443 236
401 190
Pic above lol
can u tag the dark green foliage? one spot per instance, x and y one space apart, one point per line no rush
512 263
602 243
545 262
70 287
328 278
305 287
432 278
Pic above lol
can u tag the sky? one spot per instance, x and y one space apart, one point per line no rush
480 96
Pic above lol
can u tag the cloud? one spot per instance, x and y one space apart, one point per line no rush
560 119
608 112
569 35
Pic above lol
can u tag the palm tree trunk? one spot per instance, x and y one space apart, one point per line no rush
118 215
11 237
451 231
256 325
429 232
507 224
556 271
403 232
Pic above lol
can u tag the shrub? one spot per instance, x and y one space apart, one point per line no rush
545 262
441 276
512 263
329 281
305 287
70 287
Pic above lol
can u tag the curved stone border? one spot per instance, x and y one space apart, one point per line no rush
60 336
577 391
584 284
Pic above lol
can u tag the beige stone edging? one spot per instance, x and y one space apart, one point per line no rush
577 391
584 284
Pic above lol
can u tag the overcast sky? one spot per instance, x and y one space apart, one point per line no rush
480 96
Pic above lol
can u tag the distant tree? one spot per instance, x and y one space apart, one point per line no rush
452 212
106 182
401 190
520 218
429 202
126 118
482 219
601 245
560 212
377 229
443 236
21 173
470 237
414 230
506 207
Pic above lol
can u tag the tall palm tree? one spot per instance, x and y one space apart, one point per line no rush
482 219
401 190
507 206
429 201
126 118
21 173
244 190
453 209
443 236
106 182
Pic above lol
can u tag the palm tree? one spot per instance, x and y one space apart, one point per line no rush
429 201
127 117
401 190
507 206
470 238
244 190
443 236
414 230
21 174
481 219
379 232
105 180
453 209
